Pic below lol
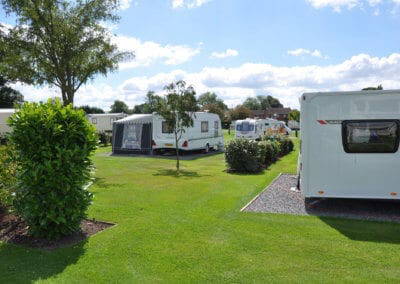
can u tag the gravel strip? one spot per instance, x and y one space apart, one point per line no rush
279 198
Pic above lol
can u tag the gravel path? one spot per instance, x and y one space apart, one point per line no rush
279 198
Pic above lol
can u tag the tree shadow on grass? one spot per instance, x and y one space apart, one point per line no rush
368 231
19 264
101 183
182 173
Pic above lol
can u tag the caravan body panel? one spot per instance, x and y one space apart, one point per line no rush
326 168
4 115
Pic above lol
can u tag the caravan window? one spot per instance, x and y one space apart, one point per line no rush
370 136
245 126
204 126
94 120
166 128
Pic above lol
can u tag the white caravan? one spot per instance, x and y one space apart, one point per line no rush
250 128
5 113
349 146
278 127
104 121
150 132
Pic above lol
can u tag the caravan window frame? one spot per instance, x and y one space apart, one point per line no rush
165 129
204 129
346 147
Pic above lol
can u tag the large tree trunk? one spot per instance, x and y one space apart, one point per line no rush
177 152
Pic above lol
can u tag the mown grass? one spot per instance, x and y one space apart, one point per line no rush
189 228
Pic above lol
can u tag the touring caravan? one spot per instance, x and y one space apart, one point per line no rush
5 113
278 127
150 133
104 121
350 144
250 128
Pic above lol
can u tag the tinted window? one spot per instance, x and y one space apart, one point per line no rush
166 128
204 126
370 136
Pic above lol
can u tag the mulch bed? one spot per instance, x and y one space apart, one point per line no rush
14 230
279 197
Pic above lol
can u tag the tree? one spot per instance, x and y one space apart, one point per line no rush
214 108
8 96
152 100
119 106
59 43
211 99
274 102
379 87
177 108
239 112
294 115
88 109
252 103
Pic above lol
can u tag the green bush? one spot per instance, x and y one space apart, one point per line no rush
269 151
104 138
53 147
244 156
284 144
8 169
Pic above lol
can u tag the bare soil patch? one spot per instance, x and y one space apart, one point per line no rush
14 230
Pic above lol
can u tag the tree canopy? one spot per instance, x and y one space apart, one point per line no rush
239 112
379 87
8 96
119 106
89 109
294 115
59 43
262 102
210 98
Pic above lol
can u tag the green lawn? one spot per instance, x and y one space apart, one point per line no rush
190 228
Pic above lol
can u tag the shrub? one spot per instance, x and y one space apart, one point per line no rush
284 144
8 169
244 156
269 151
53 147
104 138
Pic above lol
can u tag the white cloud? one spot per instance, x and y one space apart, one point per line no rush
303 51
337 5
227 53
125 4
250 79
188 3
149 52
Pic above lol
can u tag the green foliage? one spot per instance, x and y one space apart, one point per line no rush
211 99
89 109
177 108
8 170
284 144
262 102
379 87
244 156
215 108
53 149
239 112
60 43
294 115
118 107
270 151
104 138
8 96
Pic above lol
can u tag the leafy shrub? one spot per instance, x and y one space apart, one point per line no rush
269 151
53 147
244 156
285 144
8 169
104 138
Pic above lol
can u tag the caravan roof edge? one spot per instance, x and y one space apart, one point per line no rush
369 92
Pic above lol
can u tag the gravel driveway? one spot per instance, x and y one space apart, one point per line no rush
279 198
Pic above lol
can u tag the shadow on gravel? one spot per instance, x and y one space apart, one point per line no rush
378 232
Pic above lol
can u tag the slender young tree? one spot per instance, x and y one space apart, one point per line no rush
59 43
177 108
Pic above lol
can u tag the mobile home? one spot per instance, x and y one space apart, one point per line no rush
104 121
349 146
5 113
150 133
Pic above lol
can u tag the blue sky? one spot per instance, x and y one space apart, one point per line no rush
241 48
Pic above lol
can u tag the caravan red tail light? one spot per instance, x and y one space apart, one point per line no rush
153 143
185 144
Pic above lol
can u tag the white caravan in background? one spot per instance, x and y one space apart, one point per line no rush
250 128
350 144
104 121
150 132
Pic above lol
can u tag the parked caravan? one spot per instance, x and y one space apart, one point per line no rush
150 133
5 113
278 127
250 128
350 144
104 121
